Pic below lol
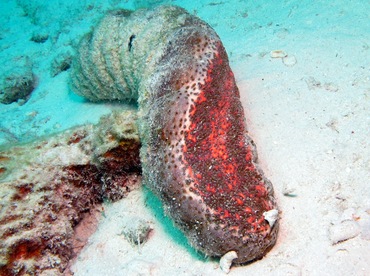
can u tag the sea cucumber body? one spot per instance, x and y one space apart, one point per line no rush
196 154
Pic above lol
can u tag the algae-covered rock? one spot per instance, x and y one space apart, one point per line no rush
17 80
49 186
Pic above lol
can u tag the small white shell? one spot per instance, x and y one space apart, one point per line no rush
278 54
271 216
289 61
226 261
329 86
343 231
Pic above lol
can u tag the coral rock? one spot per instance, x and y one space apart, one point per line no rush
47 187
17 81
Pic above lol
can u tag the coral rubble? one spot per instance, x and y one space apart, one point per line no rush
17 81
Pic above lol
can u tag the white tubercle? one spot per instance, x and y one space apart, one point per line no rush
271 216
226 261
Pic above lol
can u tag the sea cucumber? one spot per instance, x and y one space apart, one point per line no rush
196 154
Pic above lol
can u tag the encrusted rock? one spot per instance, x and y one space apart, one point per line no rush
137 231
47 187
17 80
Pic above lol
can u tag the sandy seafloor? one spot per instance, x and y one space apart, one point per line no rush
308 114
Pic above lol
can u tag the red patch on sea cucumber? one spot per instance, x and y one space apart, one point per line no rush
220 156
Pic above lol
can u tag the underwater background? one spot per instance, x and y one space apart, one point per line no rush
303 71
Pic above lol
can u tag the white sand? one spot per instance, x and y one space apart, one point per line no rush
310 121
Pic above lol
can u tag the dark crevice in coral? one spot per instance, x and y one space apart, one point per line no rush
132 37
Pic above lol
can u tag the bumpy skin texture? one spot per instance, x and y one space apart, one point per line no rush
196 153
